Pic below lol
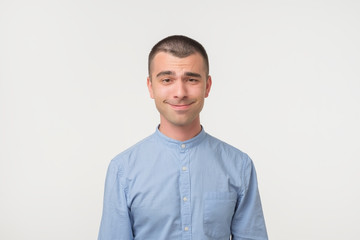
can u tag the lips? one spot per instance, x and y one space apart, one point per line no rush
179 106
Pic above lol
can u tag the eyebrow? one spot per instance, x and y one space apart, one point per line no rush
191 74
188 74
163 73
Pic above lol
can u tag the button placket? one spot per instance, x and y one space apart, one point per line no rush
185 192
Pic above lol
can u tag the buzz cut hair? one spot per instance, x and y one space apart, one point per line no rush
179 46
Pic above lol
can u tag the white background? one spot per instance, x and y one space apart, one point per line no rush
286 90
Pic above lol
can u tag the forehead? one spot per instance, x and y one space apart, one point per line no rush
167 62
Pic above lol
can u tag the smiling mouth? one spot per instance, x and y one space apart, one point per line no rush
180 106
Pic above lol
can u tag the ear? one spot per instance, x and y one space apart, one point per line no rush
208 86
149 85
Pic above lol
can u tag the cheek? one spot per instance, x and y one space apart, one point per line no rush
200 92
160 93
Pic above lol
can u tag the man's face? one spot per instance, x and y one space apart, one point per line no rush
179 87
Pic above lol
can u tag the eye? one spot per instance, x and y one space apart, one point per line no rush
193 80
166 80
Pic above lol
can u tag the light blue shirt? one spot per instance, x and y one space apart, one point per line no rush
200 189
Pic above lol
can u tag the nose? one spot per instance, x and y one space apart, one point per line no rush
180 90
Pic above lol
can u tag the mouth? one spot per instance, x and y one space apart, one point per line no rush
180 106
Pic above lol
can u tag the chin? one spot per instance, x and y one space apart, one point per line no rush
183 123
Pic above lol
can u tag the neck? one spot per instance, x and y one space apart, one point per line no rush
180 133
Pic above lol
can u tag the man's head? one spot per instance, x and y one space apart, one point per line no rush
178 81
178 46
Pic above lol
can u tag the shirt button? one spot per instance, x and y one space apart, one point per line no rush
183 145
186 228
184 168
185 199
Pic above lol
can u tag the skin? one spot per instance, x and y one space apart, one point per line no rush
179 87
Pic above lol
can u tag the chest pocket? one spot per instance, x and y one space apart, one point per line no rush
219 209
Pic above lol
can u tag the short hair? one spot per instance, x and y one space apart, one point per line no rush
179 46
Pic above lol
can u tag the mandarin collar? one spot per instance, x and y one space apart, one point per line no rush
182 145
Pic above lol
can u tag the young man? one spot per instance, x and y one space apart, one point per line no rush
180 182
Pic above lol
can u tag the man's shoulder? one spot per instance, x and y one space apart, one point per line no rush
140 146
221 146
219 143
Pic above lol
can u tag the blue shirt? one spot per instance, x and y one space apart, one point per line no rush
200 189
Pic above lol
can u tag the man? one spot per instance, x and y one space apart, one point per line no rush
180 182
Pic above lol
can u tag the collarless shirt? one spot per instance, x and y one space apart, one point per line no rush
199 189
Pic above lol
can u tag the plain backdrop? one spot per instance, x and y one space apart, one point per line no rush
286 90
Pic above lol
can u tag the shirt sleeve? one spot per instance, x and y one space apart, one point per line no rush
115 222
248 221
